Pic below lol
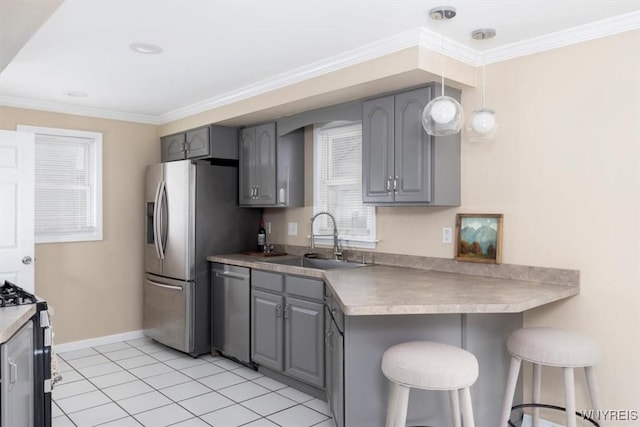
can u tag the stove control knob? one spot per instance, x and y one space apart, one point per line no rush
26 260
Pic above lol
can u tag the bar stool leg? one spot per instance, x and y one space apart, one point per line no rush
569 396
455 407
467 409
397 407
537 375
592 385
510 389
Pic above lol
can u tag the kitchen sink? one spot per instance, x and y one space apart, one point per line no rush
317 263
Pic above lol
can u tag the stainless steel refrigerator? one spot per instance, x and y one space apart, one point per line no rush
191 212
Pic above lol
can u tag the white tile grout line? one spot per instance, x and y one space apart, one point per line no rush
206 359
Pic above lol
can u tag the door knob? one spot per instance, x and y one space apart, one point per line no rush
26 260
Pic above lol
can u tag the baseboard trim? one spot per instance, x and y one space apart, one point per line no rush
93 342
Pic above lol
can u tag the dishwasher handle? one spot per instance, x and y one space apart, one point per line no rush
231 275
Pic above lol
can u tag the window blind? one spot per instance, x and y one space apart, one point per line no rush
67 187
338 184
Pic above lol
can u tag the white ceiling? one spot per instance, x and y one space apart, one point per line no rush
217 51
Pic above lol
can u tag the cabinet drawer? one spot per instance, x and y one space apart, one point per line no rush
269 281
303 287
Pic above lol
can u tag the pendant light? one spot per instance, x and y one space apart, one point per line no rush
483 123
443 115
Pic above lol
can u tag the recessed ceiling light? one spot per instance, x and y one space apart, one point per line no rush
146 48
76 94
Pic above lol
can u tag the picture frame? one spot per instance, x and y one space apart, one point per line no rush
479 238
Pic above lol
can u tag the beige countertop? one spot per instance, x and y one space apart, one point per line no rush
12 319
388 290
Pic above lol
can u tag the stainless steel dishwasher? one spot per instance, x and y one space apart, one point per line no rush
230 306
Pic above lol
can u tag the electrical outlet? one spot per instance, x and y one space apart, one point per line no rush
447 235
268 227
293 229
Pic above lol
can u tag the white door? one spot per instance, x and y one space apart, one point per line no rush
16 208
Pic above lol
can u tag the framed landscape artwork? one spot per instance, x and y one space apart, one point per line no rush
479 238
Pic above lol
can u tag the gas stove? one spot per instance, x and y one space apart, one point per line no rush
11 294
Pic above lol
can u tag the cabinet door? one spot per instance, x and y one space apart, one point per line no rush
198 144
266 329
172 147
377 150
412 148
304 335
266 164
17 379
247 166
338 377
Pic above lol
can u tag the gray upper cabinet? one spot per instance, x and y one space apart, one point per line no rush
258 165
402 164
271 167
197 143
172 147
211 141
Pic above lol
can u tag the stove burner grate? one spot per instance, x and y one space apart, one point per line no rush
11 294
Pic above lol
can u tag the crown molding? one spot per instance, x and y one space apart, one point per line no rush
579 34
452 49
422 37
55 107
351 57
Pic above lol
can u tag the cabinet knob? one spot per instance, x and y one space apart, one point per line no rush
395 184
287 308
389 185
278 311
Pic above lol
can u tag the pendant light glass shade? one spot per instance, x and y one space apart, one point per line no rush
442 116
482 125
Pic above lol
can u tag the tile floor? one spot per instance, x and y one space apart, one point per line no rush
142 383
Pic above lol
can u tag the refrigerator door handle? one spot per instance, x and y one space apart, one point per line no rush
160 285
162 232
156 221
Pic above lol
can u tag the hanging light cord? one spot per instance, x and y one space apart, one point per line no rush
483 81
442 53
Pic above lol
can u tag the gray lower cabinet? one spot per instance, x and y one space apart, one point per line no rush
287 325
271 167
402 164
357 391
266 329
17 384
211 141
334 368
303 340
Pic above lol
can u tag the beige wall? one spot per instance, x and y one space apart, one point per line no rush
96 287
565 171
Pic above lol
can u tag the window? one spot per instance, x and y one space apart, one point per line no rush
68 184
338 186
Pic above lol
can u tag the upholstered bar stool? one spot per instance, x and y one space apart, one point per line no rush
429 366
551 347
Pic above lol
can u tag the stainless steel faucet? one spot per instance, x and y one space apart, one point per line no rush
337 253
